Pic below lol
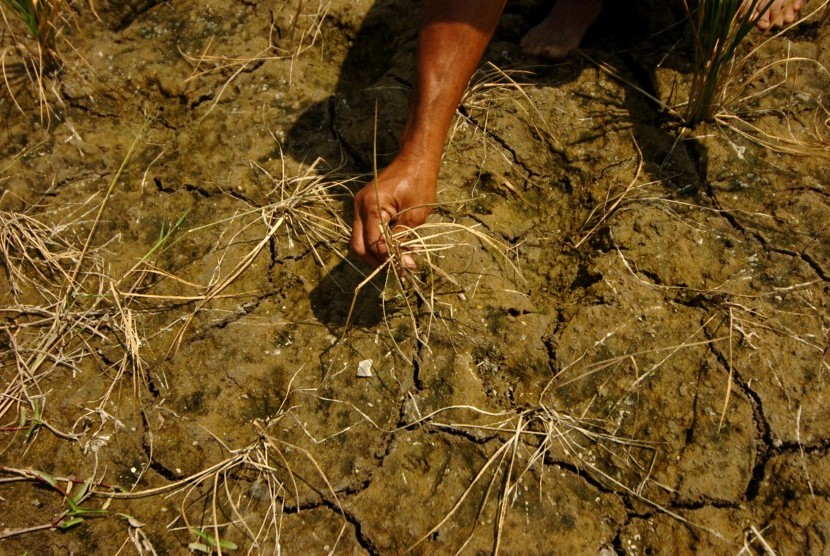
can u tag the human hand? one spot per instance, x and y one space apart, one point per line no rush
402 195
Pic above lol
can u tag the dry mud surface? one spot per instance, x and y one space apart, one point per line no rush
651 377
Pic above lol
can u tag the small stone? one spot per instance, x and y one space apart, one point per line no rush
364 368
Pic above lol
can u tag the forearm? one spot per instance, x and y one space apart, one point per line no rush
452 40
453 37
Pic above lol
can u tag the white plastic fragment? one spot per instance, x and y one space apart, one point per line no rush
364 368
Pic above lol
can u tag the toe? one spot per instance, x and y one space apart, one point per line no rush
774 16
530 41
555 52
763 16
788 15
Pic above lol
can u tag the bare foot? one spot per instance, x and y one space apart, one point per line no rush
780 13
562 30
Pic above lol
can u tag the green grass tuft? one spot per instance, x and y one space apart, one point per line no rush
718 28
42 19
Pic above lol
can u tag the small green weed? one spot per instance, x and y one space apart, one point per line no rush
209 543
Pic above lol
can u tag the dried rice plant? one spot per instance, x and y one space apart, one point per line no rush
526 442
718 28
491 85
725 87
241 499
416 279
302 26
43 20
535 438
307 209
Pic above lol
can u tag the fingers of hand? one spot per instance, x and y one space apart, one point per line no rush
367 241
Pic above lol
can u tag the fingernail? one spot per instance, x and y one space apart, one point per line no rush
408 261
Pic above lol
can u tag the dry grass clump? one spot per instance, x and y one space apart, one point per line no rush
306 211
412 264
54 315
242 498
68 315
415 276
805 114
492 86
83 308
81 316
296 26
35 254
32 49
311 205
535 438
85 313
526 443
68 312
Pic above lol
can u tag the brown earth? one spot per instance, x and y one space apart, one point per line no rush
650 381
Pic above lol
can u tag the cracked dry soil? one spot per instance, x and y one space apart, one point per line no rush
655 381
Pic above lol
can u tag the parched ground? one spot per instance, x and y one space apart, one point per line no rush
623 348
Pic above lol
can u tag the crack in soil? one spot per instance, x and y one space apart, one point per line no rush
762 427
360 535
759 237
804 256
497 139
136 10
147 447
